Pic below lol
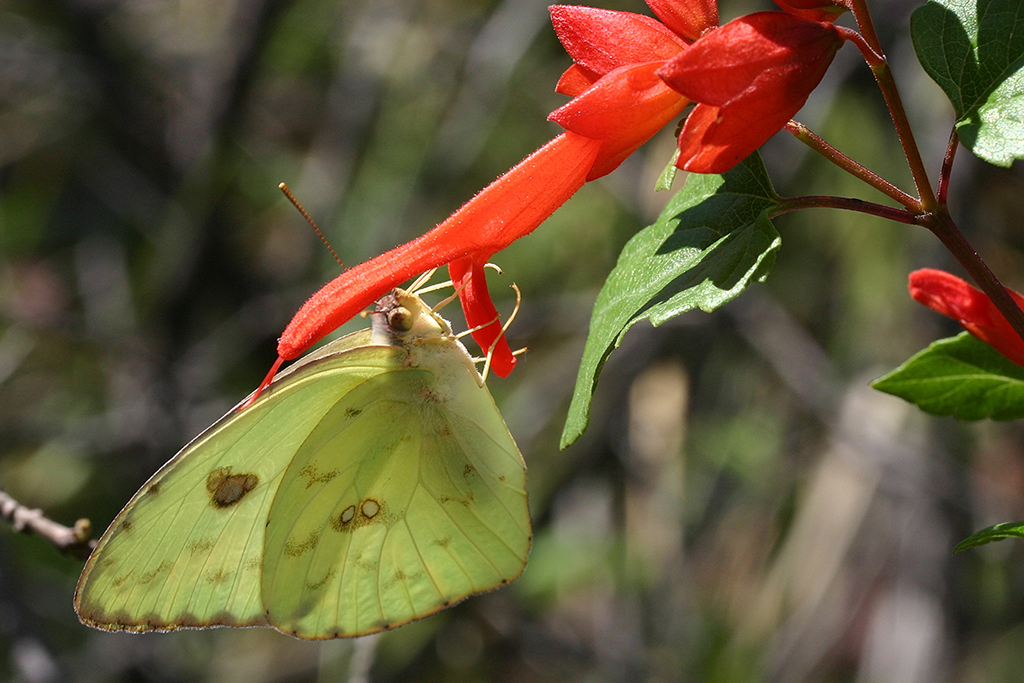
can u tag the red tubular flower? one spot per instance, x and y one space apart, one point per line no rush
749 78
510 207
952 297
619 103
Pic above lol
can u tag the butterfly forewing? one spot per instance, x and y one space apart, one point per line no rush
187 550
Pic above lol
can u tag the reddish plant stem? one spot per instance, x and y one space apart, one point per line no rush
883 76
930 211
806 136
947 167
943 227
828 202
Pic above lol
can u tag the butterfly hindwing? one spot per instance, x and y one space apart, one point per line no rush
408 496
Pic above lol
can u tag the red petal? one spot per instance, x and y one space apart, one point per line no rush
952 297
714 139
510 207
766 51
751 76
480 310
602 40
624 109
575 80
688 18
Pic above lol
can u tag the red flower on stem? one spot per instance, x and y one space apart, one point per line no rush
749 77
952 297
619 103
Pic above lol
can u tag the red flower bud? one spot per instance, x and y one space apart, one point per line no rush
952 297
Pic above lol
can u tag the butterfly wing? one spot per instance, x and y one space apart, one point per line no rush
369 486
187 550
407 496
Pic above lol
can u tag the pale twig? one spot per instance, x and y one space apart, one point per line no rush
74 541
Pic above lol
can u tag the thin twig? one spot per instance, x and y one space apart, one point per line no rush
872 51
826 202
809 138
947 167
74 541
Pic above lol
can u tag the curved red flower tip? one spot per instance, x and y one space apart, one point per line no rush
749 78
480 313
510 207
601 40
688 19
815 10
618 99
952 297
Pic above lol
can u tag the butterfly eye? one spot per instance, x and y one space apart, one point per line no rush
400 319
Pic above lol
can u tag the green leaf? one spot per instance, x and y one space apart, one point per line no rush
997 532
975 52
709 243
962 376
668 175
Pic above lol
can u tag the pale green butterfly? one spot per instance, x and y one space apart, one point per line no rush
372 484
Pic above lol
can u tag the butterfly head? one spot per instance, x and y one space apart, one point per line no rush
402 316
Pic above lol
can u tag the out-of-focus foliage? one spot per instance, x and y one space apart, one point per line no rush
743 507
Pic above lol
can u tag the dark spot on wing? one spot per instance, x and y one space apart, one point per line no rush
368 511
466 501
226 488
468 470
501 478
118 581
153 489
314 476
353 412
203 546
319 584
126 525
443 542
217 577
293 549
164 567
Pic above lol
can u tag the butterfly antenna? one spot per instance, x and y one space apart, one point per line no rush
414 288
309 219
504 328
447 300
434 288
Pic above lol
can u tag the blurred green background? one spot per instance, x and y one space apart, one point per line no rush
743 507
